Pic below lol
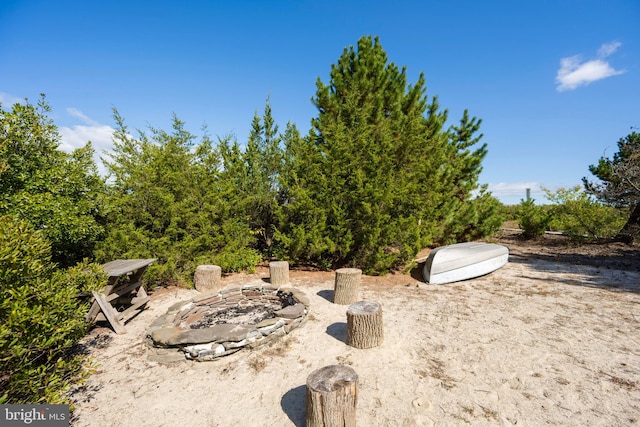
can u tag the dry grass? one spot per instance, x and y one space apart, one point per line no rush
259 359
436 370
621 382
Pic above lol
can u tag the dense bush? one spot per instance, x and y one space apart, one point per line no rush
579 216
41 316
482 216
58 193
169 200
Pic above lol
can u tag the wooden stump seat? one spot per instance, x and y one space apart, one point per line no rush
364 324
279 273
347 285
207 278
332 396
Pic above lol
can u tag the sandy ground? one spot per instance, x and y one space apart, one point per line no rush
538 342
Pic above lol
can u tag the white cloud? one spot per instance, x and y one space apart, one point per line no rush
79 114
78 136
503 189
608 49
574 73
9 100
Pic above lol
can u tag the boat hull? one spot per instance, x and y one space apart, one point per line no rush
463 261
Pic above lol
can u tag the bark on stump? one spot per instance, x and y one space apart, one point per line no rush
279 273
332 396
207 278
346 285
364 324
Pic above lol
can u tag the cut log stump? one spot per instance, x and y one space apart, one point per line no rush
208 278
364 324
279 273
332 396
347 285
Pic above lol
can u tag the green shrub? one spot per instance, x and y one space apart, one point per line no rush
534 220
41 316
579 216
170 200
56 192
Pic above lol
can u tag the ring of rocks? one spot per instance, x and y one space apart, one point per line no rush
218 324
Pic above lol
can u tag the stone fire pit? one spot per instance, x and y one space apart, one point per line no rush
217 324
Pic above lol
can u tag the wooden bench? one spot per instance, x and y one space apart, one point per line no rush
124 289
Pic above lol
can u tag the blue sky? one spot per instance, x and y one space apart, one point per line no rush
556 83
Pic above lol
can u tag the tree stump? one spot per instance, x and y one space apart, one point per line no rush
279 273
346 286
364 324
207 278
332 395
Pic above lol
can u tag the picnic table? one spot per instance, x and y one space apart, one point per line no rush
123 291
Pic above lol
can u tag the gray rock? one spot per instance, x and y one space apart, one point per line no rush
291 326
298 295
266 330
216 333
291 311
251 338
177 307
194 350
165 336
207 357
166 320
267 322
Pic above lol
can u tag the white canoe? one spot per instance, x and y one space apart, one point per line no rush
463 261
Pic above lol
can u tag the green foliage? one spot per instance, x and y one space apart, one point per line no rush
255 175
510 212
480 217
41 316
620 183
378 177
534 220
58 193
580 217
619 176
168 201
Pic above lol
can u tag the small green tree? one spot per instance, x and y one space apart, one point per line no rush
260 167
580 217
41 316
619 183
534 220
58 193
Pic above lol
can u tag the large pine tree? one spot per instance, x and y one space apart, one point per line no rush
379 177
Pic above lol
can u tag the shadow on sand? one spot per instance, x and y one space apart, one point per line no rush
326 294
338 330
293 404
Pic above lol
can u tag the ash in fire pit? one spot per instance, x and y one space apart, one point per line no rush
235 315
250 311
215 325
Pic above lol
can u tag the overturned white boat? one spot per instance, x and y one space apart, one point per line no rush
463 261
